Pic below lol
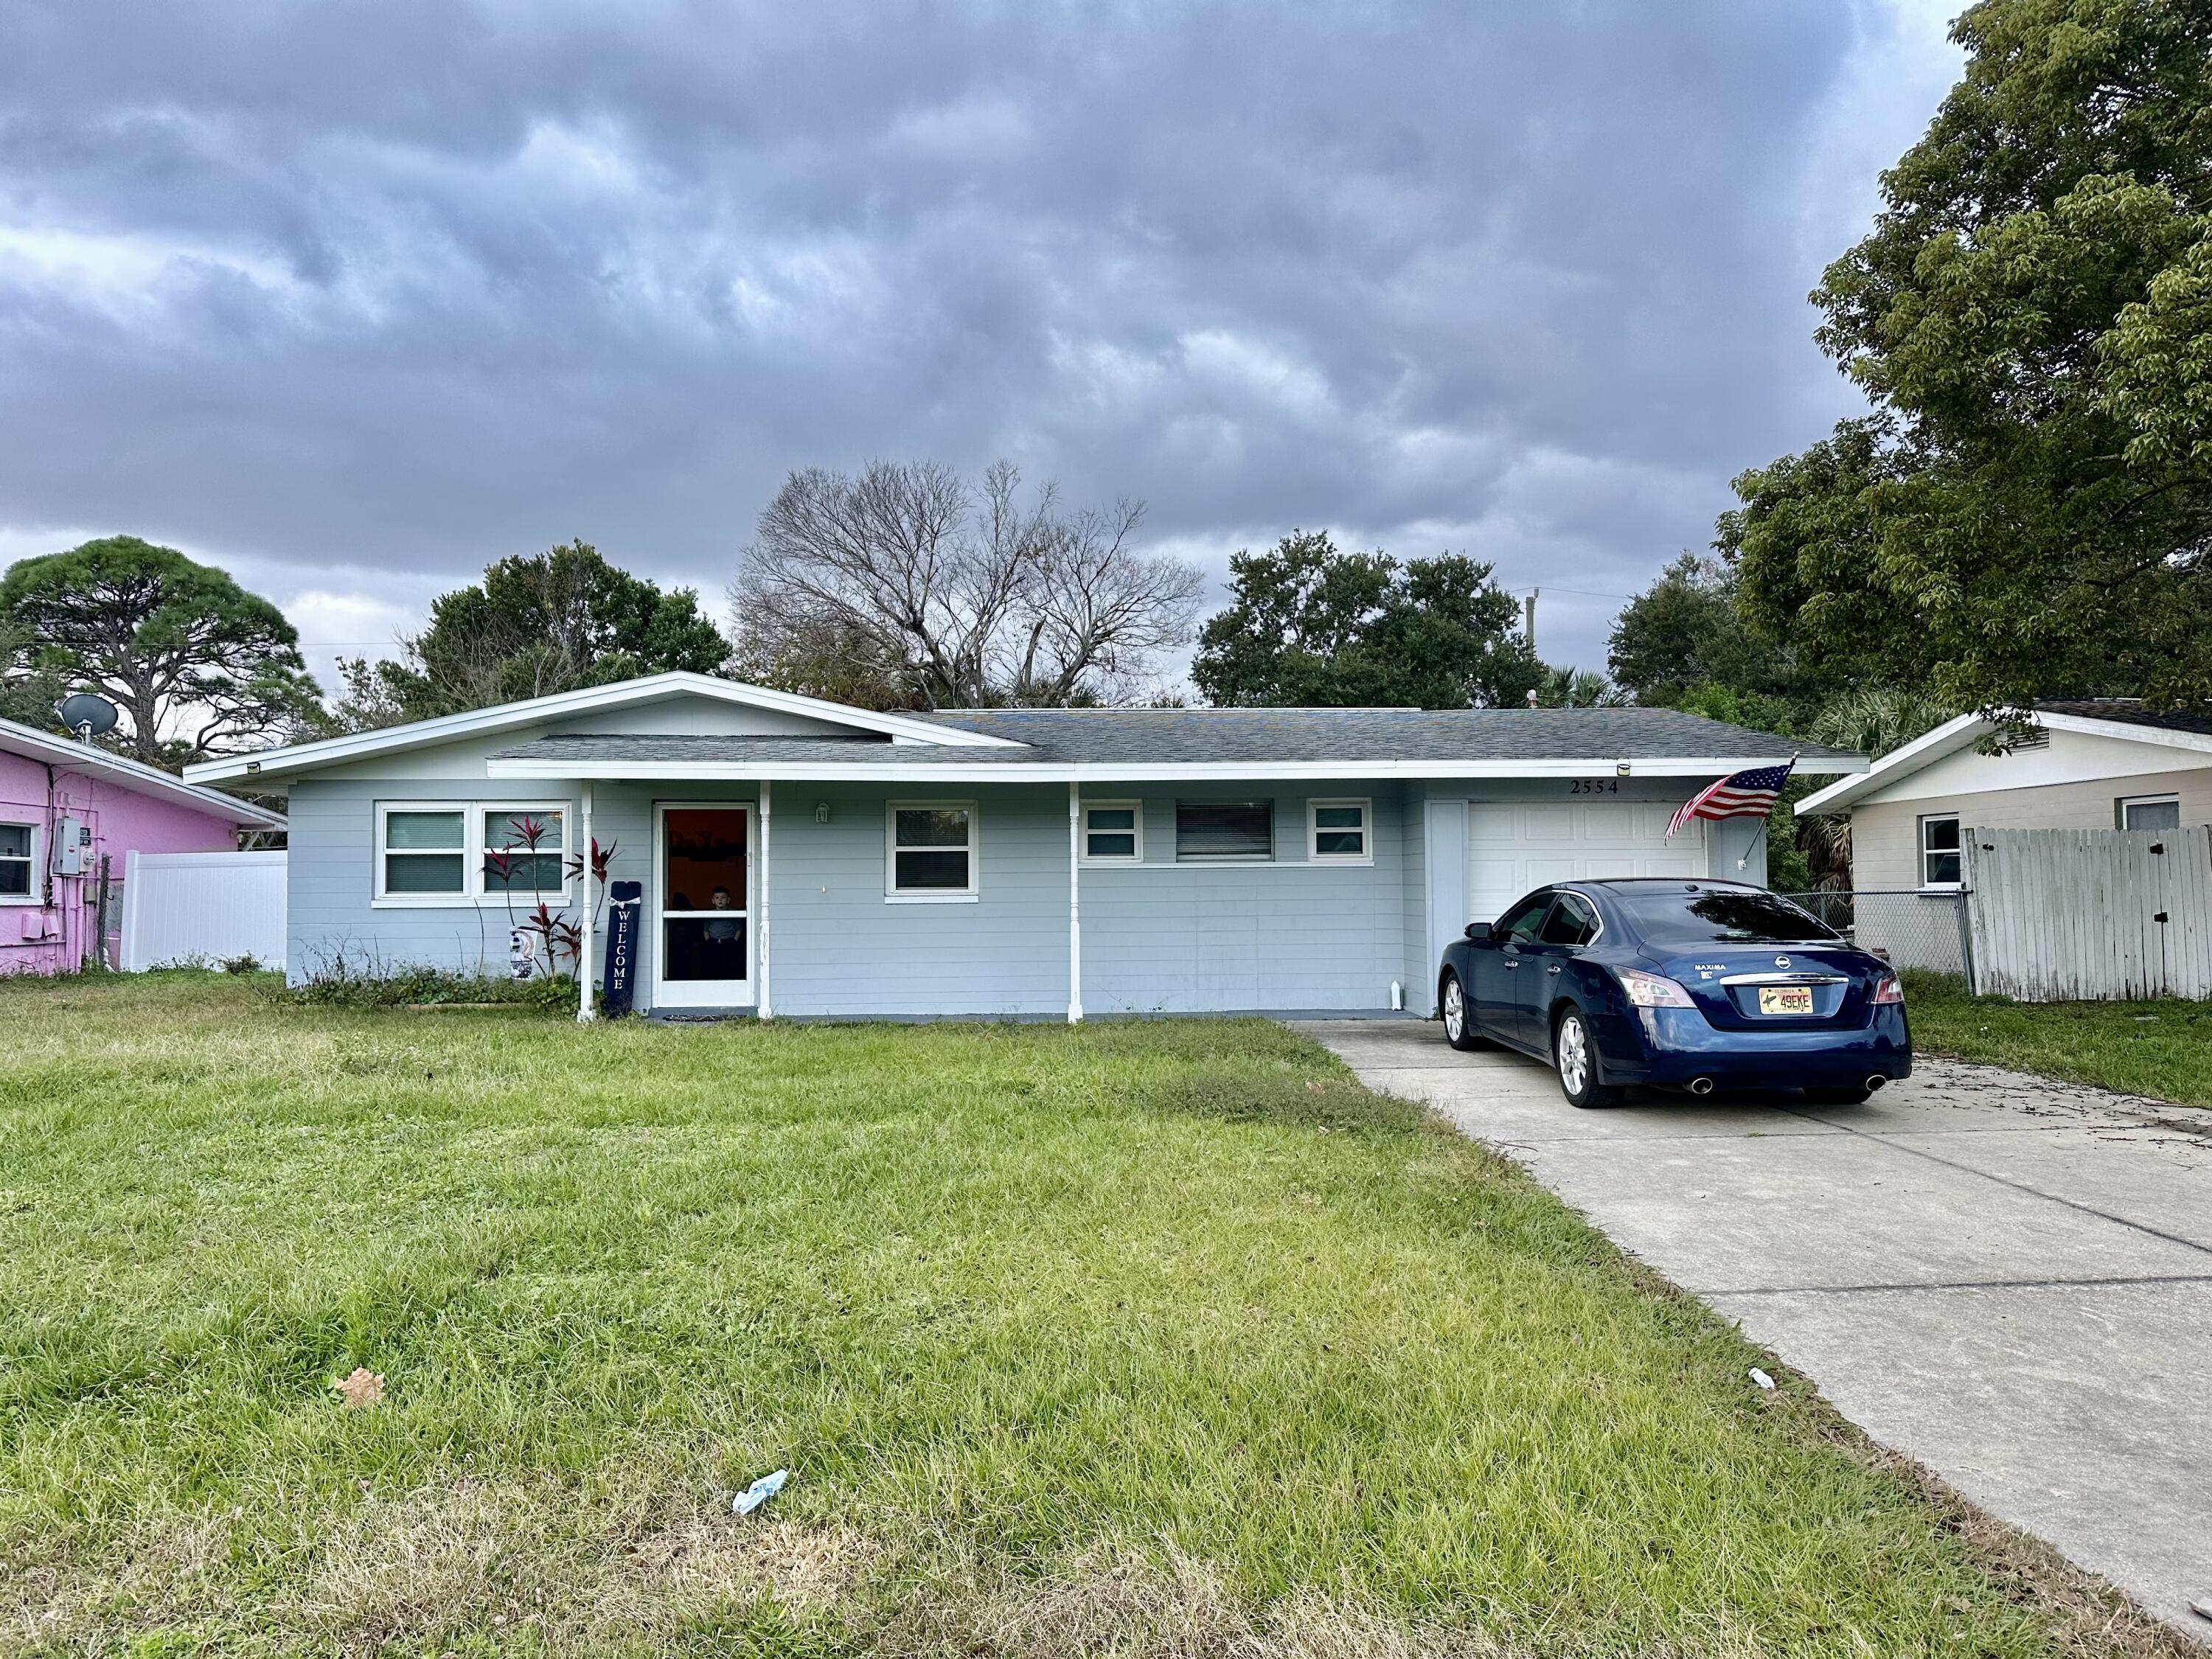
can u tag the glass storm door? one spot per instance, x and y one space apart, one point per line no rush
702 870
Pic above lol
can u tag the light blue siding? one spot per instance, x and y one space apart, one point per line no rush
1168 938
840 948
1161 937
330 881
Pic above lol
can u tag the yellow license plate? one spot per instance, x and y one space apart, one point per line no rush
1785 999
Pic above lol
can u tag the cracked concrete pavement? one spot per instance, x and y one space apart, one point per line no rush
2006 1278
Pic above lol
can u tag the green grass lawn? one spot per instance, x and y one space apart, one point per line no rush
1139 1338
2163 1049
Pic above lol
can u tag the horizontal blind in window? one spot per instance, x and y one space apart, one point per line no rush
1225 829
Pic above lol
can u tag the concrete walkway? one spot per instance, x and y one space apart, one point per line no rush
2007 1279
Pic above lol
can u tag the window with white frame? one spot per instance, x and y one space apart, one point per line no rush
432 853
1113 832
1225 831
930 850
2148 811
1939 850
19 864
1339 832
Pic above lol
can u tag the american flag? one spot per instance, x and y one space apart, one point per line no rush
1749 794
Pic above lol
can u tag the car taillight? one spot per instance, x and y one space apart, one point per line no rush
1887 990
1652 991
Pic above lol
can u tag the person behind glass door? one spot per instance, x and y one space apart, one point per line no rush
720 935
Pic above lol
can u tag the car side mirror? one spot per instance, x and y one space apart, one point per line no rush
1479 931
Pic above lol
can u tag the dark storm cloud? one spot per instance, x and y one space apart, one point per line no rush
358 297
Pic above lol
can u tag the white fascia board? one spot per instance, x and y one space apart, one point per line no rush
986 771
2157 735
1924 750
289 761
121 769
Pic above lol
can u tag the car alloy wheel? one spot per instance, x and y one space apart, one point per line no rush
1457 1030
1578 1064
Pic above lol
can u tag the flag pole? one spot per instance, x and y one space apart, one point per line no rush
1766 818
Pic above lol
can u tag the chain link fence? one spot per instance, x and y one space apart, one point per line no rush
1908 928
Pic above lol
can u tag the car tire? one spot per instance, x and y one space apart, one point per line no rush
1851 1095
1458 1014
1575 1057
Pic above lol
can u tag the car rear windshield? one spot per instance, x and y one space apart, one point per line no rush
1719 916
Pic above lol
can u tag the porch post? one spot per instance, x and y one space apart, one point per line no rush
759 923
1074 903
586 1011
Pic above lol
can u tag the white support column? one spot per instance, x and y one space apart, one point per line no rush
760 921
1074 903
586 1010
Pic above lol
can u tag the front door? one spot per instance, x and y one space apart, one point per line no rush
703 901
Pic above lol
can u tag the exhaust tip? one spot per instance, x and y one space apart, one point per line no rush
1876 1080
1701 1085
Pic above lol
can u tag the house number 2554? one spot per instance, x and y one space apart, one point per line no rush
1593 786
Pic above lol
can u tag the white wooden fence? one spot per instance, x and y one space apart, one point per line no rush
2059 915
202 908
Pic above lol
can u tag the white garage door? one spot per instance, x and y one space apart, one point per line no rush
1513 848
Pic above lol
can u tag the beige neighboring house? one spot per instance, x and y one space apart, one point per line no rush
2106 764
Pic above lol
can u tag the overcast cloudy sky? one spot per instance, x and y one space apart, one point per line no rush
352 298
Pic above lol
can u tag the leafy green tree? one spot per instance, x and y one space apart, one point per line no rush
1687 630
196 664
29 689
1310 626
1578 688
2025 512
537 625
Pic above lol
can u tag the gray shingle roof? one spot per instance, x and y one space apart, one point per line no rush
2129 711
1136 737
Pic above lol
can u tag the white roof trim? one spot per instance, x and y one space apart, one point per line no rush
271 763
2158 735
1956 734
983 770
1924 750
67 752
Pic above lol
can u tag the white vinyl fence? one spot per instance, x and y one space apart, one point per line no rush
2059 915
203 907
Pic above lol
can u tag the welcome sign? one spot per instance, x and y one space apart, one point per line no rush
624 899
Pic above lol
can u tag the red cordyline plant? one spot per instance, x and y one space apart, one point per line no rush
558 933
525 838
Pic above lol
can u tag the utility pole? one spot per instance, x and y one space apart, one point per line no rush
1529 619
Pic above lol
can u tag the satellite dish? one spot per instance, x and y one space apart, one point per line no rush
88 716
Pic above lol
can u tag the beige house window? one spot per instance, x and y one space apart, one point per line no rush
1939 850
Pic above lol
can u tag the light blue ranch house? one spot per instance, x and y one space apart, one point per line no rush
802 858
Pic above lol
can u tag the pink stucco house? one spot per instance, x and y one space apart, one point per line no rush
53 790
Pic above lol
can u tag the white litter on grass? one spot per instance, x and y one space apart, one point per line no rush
759 1492
1762 1378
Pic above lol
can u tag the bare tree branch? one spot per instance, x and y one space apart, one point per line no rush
903 586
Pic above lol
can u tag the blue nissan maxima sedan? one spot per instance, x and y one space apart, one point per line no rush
1679 984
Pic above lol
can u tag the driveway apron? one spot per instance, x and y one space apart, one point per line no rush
2005 1278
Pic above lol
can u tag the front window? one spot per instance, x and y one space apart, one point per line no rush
425 852
1225 831
1691 914
932 849
471 852
522 851
1113 832
2149 811
1337 832
17 867
1939 850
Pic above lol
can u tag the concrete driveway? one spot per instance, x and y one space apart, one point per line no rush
2007 1279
